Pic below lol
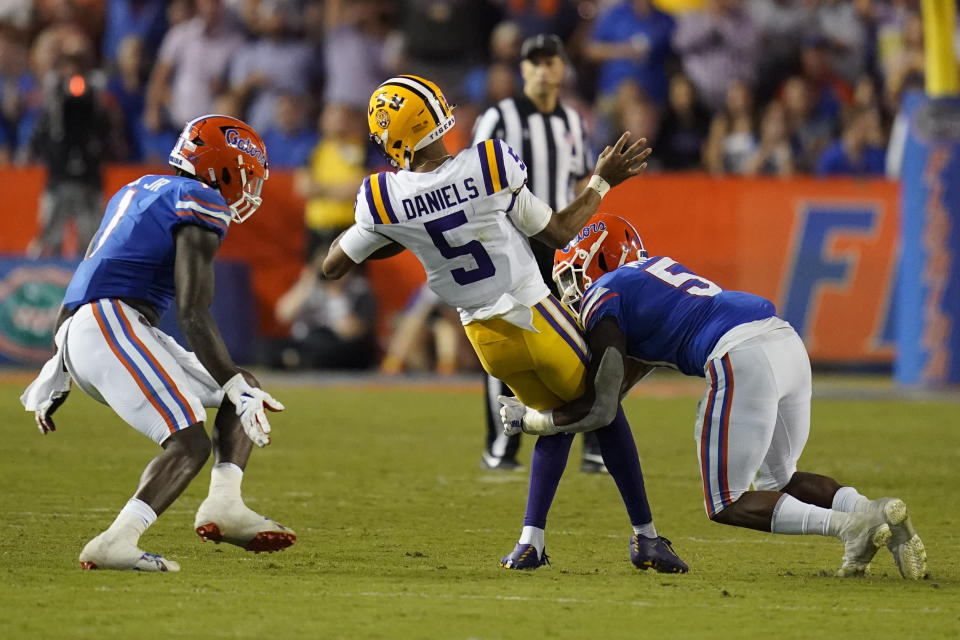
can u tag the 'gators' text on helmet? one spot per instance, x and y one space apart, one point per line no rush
407 113
227 154
605 243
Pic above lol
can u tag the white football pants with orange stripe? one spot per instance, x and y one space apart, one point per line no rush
118 358
754 418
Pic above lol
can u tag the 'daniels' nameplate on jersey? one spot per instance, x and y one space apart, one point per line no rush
440 199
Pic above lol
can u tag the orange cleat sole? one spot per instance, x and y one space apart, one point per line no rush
88 566
210 532
269 541
263 542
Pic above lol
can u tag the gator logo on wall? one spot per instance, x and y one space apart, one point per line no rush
30 299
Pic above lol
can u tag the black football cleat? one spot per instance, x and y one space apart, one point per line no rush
524 556
655 553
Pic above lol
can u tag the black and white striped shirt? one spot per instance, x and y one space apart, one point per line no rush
552 145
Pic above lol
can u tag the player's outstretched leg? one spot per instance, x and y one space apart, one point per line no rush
546 466
904 542
223 516
862 533
163 480
647 549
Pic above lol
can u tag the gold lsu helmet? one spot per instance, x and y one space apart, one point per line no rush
407 113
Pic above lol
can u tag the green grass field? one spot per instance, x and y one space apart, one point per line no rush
400 531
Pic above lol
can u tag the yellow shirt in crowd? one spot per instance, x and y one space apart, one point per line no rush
334 161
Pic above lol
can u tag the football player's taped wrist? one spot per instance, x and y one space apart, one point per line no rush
235 386
599 185
538 423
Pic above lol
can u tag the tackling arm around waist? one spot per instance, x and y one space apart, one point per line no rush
598 406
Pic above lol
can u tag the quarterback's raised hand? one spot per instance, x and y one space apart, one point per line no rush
250 403
44 413
620 162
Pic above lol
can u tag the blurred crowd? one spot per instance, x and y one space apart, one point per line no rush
729 86
741 87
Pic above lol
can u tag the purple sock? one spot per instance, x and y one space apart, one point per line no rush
546 466
620 455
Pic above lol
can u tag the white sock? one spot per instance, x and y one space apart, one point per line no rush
534 536
848 500
135 517
225 479
646 530
793 517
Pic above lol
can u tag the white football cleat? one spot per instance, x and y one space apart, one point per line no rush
109 552
904 543
222 520
862 536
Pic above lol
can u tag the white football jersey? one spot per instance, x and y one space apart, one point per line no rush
465 221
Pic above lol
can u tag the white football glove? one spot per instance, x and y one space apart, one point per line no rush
250 403
511 414
44 413
517 417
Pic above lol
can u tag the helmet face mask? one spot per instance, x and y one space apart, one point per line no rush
570 274
228 155
605 243
406 113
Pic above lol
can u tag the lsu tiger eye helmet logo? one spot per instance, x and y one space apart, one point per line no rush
405 114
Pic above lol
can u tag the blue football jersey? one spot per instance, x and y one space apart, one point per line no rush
669 315
133 253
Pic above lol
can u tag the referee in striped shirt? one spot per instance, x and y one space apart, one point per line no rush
550 139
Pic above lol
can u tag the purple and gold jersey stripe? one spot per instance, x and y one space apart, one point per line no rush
369 197
492 167
378 200
564 329
572 319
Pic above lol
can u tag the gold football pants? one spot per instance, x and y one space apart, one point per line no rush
544 369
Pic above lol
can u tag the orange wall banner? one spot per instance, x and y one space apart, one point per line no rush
824 251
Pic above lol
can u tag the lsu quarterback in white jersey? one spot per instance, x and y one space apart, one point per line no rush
466 218
464 222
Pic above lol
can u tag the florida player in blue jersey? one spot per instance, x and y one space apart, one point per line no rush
156 246
642 312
